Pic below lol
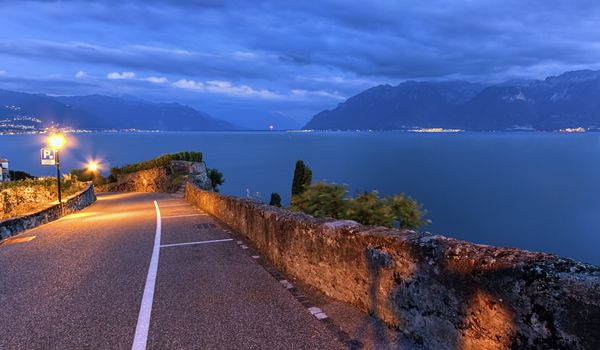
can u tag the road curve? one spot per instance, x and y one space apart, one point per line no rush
79 283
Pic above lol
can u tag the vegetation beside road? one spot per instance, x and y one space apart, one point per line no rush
333 201
87 175
32 194
175 178
216 178
161 161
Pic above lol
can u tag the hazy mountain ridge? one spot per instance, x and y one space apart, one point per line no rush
568 100
98 112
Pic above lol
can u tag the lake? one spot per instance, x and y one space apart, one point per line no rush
537 191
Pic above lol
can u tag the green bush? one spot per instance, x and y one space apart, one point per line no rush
407 212
322 200
333 201
368 209
161 161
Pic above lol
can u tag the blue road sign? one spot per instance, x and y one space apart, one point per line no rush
48 156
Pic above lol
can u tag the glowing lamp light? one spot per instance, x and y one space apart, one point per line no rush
57 141
271 127
92 166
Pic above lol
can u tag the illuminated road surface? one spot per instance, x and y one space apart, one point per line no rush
87 282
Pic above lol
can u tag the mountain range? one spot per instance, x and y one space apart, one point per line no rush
569 100
22 112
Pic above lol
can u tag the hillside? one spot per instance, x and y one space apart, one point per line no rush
566 101
97 112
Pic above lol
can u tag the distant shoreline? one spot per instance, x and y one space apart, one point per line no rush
453 131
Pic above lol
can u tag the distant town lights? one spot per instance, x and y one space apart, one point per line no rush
57 141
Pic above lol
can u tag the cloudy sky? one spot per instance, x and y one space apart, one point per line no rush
241 59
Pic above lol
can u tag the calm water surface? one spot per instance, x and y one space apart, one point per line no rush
537 191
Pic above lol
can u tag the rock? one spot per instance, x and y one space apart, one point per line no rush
164 179
196 172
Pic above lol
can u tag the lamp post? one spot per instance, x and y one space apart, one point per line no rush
57 141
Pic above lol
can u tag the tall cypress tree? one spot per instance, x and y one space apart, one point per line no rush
302 178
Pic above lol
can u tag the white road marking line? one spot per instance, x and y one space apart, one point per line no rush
286 284
175 205
143 324
314 310
182 216
244 246
199 242
320 316
255 257
239 242
14 240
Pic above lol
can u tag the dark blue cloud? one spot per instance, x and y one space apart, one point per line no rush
290 57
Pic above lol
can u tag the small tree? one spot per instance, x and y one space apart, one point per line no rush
322 200
332 201
216 178
369 209
408 212
302 178
275 200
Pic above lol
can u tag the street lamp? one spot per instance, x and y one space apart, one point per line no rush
57 141
92 166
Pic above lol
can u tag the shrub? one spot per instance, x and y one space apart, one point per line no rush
408 212
275 200
322 200
368 209
333 201
216 178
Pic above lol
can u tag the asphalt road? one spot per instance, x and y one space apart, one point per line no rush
80 284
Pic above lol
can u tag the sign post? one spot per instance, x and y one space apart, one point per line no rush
50 156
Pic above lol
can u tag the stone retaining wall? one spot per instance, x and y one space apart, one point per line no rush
168 179
442 293
22 197
151 180
13 226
